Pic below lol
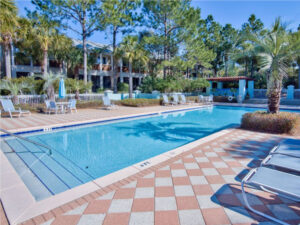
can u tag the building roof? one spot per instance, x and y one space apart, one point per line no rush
228 79
92 45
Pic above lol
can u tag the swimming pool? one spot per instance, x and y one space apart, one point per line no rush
84 153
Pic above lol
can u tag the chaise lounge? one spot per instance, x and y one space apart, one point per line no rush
8 107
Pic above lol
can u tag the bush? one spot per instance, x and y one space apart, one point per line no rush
172 85
140 102
123 87
283 122
89 104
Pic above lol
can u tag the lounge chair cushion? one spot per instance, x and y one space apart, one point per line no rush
280 182
288 162
291 150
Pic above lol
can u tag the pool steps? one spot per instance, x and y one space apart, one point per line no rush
44 175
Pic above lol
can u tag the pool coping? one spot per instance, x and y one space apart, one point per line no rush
20 205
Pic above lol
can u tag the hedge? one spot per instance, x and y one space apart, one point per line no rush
282 122
140 102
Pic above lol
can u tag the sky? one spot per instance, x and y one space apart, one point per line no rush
235 12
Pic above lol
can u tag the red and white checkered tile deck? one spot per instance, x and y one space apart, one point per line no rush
201 186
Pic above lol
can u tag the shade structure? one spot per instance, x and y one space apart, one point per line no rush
62 89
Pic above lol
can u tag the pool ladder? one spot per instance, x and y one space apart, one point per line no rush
28 140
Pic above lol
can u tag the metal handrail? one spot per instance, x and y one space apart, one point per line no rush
26 139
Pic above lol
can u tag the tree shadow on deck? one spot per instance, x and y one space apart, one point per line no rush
230 197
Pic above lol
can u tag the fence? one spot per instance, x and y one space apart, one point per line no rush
297 93
39 99
262 93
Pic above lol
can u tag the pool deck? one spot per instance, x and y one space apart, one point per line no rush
188 185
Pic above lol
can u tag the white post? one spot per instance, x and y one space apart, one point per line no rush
242 89
13 68
121 71
101 61
140 80
101 82
111 62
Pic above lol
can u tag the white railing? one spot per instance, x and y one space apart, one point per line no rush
39 99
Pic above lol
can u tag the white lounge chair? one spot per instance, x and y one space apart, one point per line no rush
274 181
72 105
107 103
166 100
8 107
201 99
289 147
175 99
282 161
184 101
210 98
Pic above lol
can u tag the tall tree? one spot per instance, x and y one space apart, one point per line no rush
86 13
213 40
118 16
132 51
45 33
228 44
167 19
8 25
274 51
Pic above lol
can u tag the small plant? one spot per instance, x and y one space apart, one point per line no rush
15 88
282 122
51 81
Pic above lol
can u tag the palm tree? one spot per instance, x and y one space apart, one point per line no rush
50 79
15 88
274 52
45 33
133 52
295 38
8 25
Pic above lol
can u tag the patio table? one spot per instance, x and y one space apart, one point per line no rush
62 105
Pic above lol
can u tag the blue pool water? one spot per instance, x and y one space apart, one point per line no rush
84 153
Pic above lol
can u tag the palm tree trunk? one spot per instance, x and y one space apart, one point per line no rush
7 61
274 94
77 95
299 75
45 64
85 75
130 80
115 76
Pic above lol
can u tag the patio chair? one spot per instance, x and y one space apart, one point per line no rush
276 182
166 100
290 147
8 107
72 105
51 107
107 103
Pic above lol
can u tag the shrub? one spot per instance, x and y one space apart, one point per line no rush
89 104
140 102
282 122
123 87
